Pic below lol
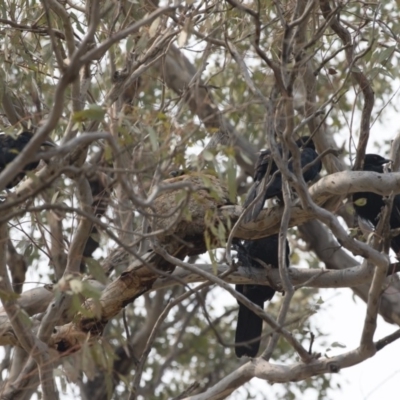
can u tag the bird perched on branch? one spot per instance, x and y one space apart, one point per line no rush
249 324
368 205
267 169
185 213
10 148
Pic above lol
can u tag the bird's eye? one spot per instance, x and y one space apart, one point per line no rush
361 202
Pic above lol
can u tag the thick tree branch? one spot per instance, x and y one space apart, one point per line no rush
140 277
276 373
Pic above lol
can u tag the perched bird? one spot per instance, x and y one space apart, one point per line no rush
265 164
368 205
10 148
249 324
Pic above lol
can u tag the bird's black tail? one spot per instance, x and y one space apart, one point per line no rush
249 324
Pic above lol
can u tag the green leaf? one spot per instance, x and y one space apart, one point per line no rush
28 250
24 317
90 291
94 113
182 38
153 138
96 270
5 296
355 69
384 55
54 198
380 71
142 43
337 344
153 27
208 155
108 154
231 170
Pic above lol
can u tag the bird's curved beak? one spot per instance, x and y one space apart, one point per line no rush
48 143
385 161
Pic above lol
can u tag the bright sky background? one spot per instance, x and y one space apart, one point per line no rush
375 379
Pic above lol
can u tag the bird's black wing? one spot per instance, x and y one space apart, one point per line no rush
7 150
10 147
308 156
249 324
368 206
264 169
272 181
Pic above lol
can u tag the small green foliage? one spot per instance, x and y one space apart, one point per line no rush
231 174
93 112
90 291
338 345
96 270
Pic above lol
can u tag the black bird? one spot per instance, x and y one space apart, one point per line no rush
368 205
10 148
249 324
265 161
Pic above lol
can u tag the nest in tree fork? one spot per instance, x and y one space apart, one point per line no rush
186 217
